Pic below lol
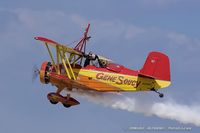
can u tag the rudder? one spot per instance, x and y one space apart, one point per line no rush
156 66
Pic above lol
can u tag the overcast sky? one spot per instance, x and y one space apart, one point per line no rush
125 31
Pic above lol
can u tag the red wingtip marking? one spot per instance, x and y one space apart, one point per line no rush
45 40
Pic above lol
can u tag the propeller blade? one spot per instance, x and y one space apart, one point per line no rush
35 73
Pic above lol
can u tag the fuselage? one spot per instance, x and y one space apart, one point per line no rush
102 79
115 78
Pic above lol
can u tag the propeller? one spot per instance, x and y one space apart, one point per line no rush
35 73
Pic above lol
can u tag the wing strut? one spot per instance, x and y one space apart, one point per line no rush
76 54
61 55
66 63
51 56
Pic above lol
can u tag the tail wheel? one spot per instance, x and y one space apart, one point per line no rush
161 95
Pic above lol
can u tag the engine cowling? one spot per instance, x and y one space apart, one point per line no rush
44 72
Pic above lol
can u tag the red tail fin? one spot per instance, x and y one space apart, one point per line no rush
156 66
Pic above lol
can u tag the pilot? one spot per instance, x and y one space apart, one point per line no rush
90 57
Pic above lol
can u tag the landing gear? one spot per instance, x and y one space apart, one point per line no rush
53 102
67 101
53 97
66 105
161 95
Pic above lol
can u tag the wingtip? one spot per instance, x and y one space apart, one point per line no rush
36 38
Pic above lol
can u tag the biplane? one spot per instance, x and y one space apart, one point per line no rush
74 68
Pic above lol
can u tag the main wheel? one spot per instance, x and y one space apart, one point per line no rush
66 105
53 98
53 102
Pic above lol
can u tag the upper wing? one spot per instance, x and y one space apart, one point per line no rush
55 44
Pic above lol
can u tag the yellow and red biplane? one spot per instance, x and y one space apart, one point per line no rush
73 68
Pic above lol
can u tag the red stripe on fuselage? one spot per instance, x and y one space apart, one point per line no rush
124 70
